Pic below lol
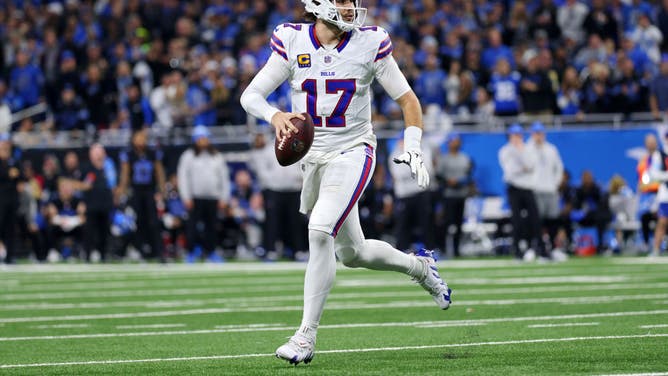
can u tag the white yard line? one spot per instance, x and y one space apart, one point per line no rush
251 304
641 261
61 326
639 374
262 327
150 326
338 351
653 326
40 297
562 325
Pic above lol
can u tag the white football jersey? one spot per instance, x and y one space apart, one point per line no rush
333 83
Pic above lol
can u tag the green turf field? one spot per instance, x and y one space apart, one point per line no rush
594 316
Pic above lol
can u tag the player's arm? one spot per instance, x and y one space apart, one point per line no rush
125 174
395 84
254 98
160 175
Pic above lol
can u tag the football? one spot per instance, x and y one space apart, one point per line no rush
294 147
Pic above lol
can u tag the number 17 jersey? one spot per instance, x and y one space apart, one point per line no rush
332 83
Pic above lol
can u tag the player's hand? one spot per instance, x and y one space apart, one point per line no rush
282 124
418 170
188 204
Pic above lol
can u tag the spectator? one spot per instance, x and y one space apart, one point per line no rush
538 98
570 17
50 176
622 210
595 51
27 214
246 211
412 209
71 168
67 76
647 189
518 164
97 197
430 83
658 172
630 92
592 207
658 100
633 11
454 170
9 179
648 37
97 94
71 113
601 22
567 195
569 97
597 90
66 217
5 110
143 172
662 23
643 65
545 18
504 87
138 108
203 195
517 26
281 188
496 51
547 176
26 79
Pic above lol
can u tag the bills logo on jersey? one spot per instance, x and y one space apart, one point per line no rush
328 59
304 60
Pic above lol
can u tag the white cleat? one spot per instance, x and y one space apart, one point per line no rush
297 349
432 281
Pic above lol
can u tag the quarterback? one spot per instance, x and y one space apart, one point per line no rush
330 66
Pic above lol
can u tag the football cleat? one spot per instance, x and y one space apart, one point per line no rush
432 281
297 349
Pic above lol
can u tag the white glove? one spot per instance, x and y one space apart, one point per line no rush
412 156
418 170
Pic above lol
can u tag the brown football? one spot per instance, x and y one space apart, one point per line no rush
294 147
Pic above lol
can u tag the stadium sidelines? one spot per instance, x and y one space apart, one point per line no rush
266 327
340 351
210 291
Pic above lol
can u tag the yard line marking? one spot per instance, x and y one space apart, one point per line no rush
158 326
61 326
639 374
340 306
250 304
220 291
653 326
338 351
267 327
298 281
566 324
641 261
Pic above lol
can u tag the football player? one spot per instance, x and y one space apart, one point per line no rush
330 65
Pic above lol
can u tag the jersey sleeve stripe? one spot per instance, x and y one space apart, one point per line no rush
277 40
279 51
384 53
384 43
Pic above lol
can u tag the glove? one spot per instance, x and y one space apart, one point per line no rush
416 163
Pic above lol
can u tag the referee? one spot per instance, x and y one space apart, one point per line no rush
518 165
142 170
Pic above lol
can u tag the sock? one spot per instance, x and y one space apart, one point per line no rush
320 273
379 255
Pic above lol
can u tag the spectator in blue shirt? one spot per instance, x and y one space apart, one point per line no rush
26 80
641 61
496 51
631 13
658 100
199 101
569 96
430 83
71 114
504 86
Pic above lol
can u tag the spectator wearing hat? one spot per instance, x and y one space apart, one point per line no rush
204 185
658 99
518 165
454 170
71 113
547 176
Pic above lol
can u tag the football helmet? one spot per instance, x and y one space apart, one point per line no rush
328 11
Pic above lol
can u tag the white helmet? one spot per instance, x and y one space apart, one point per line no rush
328 11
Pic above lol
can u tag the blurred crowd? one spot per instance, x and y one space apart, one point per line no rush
100 64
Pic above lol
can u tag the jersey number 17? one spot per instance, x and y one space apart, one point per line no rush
337 118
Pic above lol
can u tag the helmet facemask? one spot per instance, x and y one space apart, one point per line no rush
327 10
